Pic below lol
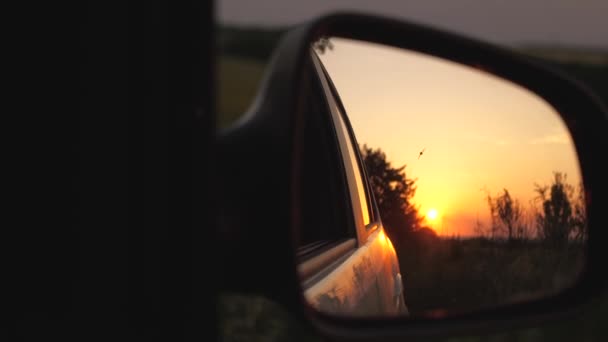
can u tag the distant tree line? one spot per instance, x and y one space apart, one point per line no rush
558 214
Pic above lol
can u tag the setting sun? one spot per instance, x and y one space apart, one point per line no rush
432 214
460 133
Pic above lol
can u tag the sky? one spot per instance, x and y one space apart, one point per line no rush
480 134
579 23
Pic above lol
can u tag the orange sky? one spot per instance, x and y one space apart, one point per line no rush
479 132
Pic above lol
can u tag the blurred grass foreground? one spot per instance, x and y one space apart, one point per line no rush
454 275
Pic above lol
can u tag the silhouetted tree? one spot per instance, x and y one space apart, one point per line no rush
556 220
507 214
580 215
393 192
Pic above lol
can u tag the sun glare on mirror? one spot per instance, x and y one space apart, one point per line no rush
432 214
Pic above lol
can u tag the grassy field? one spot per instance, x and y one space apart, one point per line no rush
463 275
449 275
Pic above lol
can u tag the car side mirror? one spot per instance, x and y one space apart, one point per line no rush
504 154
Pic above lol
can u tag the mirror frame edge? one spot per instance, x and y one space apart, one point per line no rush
548 83
285 67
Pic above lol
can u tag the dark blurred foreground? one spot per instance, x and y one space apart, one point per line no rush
443 275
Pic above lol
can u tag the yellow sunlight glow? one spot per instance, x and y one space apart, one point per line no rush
461 133
432 214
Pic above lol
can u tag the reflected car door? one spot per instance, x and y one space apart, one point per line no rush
358 276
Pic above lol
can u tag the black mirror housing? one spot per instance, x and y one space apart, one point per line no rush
258 233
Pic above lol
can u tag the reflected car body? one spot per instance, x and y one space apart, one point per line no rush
365 281
358 275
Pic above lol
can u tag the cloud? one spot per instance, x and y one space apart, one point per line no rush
555 138
489 140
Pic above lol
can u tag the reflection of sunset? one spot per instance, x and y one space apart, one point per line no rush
480 134
432 214
385 241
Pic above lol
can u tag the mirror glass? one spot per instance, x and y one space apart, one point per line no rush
465 189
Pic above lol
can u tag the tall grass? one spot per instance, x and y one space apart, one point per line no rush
458 275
